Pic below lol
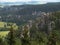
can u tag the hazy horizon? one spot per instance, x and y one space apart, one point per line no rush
27 1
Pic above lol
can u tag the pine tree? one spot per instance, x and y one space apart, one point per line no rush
1 41
33 31
25 38
11 37
52 39
40 38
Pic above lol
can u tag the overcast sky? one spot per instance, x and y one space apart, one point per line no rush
29 0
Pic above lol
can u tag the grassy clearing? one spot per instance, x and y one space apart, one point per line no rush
3 33
7 25
2 24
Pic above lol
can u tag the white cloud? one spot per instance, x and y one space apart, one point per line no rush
52 0
29 0
14 0
47 0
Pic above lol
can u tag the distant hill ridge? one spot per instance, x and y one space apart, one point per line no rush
27 9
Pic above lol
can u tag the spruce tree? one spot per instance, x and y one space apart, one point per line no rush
25 38
40 37
11 38
1 41
52 39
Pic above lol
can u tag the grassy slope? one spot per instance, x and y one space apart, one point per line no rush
3 33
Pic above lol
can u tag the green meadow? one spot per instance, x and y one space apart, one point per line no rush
6 25
3 33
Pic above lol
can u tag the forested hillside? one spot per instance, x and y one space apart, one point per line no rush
18 13
44 30
30 24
